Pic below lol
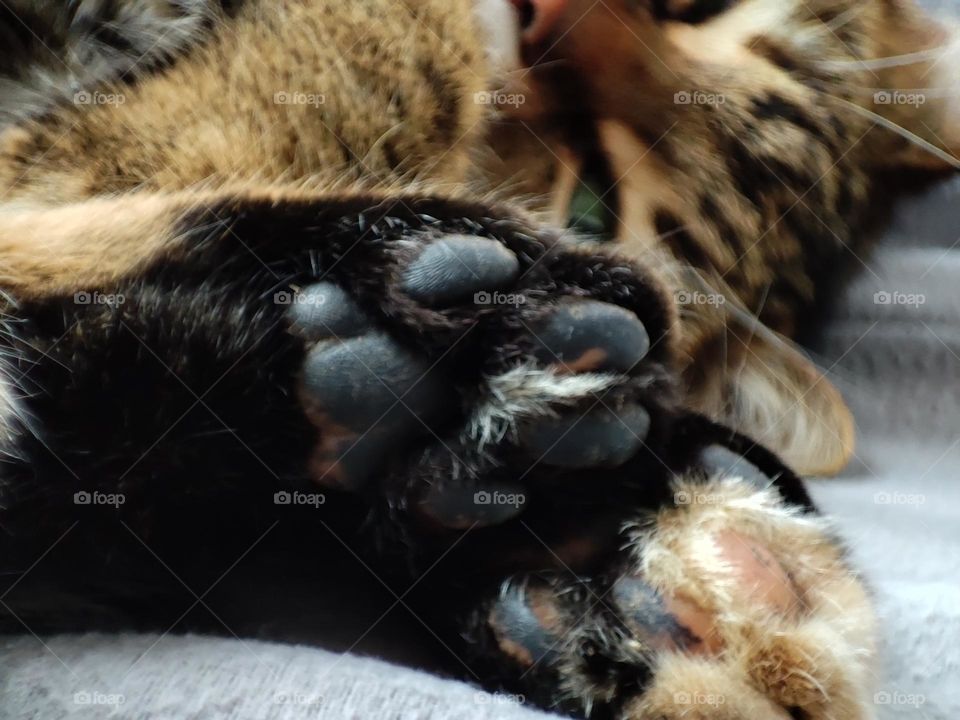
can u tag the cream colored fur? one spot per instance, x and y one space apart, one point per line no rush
819 656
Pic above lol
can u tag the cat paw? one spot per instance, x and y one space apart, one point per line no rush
726 602
459 354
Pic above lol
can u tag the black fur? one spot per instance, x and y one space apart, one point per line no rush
180 394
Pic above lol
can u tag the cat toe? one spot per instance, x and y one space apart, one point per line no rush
459 507
368 395
599 438
528 624
590 336
324 310
455 267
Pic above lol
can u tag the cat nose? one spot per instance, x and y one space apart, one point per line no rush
539 18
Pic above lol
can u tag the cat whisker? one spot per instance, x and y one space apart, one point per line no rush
913 58
911 137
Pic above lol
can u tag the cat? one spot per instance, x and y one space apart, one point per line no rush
264 260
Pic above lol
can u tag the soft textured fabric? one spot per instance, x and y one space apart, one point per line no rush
195 678
897 360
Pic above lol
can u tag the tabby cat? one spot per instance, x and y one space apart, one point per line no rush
495 277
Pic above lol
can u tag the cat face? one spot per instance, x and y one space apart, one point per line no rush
745 145
874 83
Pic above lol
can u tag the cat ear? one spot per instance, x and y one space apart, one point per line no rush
771 392
917 73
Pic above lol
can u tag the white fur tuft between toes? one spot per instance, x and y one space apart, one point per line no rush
527 393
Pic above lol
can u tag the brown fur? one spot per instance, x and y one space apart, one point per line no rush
817 655
397 84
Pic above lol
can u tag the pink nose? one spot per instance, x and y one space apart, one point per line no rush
539 18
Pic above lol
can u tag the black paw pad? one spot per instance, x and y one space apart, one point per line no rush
653 622
325 310
601 438
367 395
588 335
461 507
455 267
527 624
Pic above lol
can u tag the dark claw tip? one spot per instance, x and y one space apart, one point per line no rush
454 267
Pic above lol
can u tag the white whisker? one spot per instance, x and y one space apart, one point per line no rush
884 63
904 133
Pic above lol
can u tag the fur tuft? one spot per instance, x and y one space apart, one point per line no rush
528 393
